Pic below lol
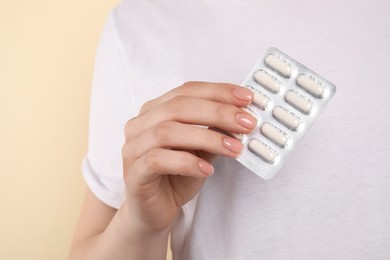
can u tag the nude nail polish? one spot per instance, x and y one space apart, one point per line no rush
206 168
233 145
246 120
243 94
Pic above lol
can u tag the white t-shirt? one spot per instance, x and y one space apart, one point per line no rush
331 200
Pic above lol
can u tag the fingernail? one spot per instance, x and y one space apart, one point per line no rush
233 145
243 94
206 168
246 120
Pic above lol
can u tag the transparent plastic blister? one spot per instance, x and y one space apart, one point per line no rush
288 99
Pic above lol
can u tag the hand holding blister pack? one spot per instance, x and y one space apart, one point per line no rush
288 97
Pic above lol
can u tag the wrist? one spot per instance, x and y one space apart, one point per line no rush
133 229
134 242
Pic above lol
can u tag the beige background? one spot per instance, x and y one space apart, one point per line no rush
47 52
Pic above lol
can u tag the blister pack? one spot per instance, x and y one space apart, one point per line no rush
288 97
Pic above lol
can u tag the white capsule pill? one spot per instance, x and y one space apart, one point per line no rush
312 87
262 150
274 134
287 118
260 100
267 81
299 102
279 65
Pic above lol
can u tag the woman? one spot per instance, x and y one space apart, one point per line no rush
165 175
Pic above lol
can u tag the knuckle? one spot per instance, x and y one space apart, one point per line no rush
163 132
224 112
146 106
187 86
128 158
127 154
175 105
129 127
152 160
125 162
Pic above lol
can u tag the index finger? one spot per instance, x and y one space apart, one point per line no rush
220 92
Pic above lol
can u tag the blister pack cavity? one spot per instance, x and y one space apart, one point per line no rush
288 97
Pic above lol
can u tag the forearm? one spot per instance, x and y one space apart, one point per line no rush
121 240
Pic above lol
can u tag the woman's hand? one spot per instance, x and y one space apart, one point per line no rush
167 153
166 159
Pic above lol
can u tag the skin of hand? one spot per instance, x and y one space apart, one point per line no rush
170 144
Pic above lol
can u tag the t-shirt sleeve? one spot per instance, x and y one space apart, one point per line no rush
110 109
